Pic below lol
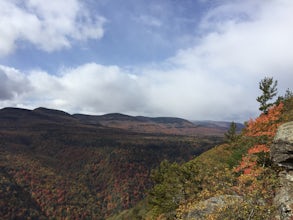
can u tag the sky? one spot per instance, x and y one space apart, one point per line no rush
194 59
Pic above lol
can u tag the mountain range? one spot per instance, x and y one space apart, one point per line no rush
140 124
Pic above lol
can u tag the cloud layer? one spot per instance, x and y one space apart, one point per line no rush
50 26
215 78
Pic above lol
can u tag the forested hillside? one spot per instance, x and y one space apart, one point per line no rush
234 180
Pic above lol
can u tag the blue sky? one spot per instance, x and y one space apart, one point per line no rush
193 59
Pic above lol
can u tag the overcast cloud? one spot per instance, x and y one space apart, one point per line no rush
216 77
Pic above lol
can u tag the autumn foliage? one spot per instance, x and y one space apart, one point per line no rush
265 124
258 149
256 179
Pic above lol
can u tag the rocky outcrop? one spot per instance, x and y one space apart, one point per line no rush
210 205
282 155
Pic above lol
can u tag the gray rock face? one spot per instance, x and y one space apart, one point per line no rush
282 148
282 155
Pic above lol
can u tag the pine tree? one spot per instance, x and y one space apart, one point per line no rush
269 89
231 135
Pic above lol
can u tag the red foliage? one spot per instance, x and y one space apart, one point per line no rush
246 165
258 149
253 176
265 124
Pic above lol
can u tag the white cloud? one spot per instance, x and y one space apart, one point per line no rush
97 88
50 26
12 84
226 64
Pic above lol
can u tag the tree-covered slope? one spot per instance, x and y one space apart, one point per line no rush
235 180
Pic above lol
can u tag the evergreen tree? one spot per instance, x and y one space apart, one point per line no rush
231 135
268 86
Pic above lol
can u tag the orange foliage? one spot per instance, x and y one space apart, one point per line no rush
258 149
251 170
265 124
246 165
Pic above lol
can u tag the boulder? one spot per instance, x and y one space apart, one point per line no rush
282 147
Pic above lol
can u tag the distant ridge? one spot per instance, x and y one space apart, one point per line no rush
47 111
220 124
140 124
123 117
167 125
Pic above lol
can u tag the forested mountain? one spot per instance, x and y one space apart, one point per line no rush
53 164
